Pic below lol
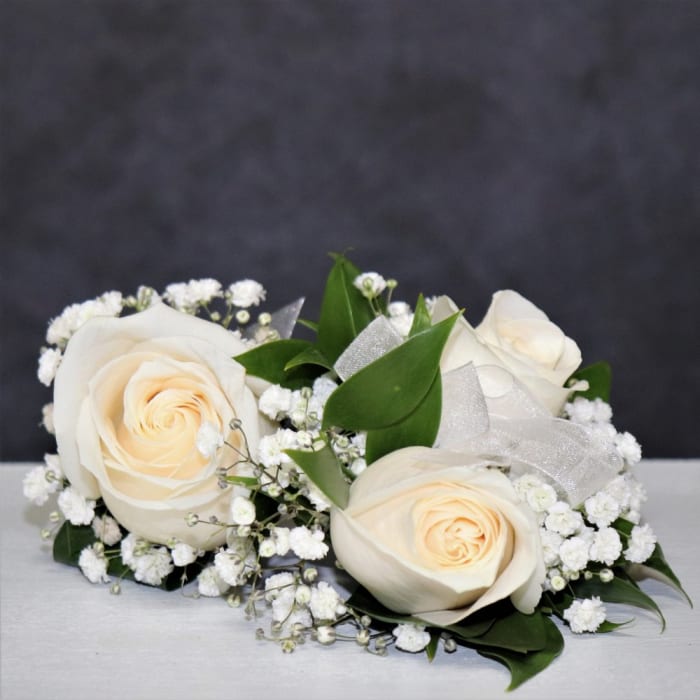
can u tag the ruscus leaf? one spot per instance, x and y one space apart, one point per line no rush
324 470
389 389
269 361
344 311
599 378
522 667
418 428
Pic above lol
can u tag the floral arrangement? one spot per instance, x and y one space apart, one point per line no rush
403 479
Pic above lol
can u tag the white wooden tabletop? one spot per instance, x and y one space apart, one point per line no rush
64 638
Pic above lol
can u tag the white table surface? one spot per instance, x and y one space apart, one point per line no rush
63 637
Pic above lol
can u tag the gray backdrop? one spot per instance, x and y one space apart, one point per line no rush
462 147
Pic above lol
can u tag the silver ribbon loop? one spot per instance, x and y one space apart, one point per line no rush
378 338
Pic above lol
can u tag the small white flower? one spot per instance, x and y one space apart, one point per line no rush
541 498
76 508
111 304
242 511
606 575
271 448
585 615
235 564
267 548
574 553
399 308
127 549
209 439
280 536
551 541
59 330
47 418
601 509
411 638
246 293
146 297
93 564
563 520
325 634
357 466
72 317
400 317
278 583
183 554
53 469
210 584
153 566
106 529
317 498
525 483
325 603
176 294
38 485
307 544
280 592
275 402
204 290
323 387
628 448
582 410
557 582
302 595
49 360
371 284
229 566
641 544
186 296
606 546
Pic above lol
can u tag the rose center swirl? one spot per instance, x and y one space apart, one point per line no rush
456 533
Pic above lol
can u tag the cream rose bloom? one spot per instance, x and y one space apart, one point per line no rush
519 337
130 397
438 535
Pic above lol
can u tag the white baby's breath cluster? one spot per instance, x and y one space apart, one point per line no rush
192 297
585 540
300 413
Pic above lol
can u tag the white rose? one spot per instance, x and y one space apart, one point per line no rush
436 534
519 337
129 399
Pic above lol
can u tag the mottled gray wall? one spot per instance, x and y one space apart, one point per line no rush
553 147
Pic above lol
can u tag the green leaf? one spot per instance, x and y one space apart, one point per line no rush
617 591
269 361
599 378
516 632
344 311
522 667
310 356
70 540
431 649
324 470
363 601
389 389
608 626
657 562
311 325
247 481
418 428
421 317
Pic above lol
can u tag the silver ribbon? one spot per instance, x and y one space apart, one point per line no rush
282 322
487 411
